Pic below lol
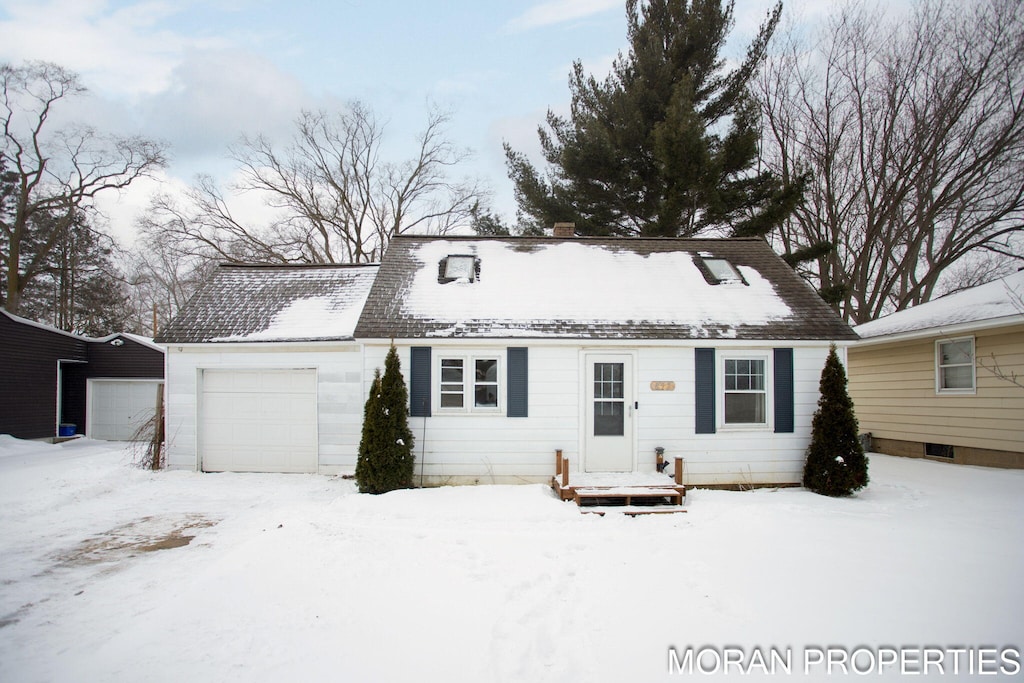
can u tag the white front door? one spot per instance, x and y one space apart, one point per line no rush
608 442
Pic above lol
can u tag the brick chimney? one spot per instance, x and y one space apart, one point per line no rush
565 230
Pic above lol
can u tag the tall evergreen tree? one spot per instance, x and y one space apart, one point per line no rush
386 459
667 144
835 465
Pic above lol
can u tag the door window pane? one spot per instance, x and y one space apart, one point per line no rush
609 407
608 418
608 380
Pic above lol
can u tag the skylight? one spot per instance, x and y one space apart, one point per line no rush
722 270
461 267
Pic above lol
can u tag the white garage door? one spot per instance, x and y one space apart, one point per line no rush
258 421
117 408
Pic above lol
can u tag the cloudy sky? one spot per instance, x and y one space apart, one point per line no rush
197 74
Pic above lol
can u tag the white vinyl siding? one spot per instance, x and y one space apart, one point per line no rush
452 447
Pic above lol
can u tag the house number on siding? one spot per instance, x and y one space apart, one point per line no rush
663 386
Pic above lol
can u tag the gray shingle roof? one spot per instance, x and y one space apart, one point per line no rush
273 303
593 288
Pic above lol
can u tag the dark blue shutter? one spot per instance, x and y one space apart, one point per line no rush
784 390
419 381
517 385
704 388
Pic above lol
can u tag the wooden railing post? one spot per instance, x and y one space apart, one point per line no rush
558 462
565 472
679 471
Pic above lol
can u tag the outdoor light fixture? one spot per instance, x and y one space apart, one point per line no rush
117 342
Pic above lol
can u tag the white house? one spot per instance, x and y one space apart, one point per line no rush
512 348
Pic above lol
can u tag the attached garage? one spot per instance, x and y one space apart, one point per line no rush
258 420
118 408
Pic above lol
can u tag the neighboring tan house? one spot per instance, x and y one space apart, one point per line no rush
945 379
57 383
512 348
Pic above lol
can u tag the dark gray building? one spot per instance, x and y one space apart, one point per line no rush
104 387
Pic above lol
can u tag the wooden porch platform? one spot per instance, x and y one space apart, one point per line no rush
629 493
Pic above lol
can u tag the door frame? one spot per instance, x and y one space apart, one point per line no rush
586 357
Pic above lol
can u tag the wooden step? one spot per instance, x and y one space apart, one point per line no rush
627 494
631 510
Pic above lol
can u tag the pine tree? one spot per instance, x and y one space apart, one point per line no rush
667 144
386 458
835 465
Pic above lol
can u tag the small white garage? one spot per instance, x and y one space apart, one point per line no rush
117 408
263 373
258 420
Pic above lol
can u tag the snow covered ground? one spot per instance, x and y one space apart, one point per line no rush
299 578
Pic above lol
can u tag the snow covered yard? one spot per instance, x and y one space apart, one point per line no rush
299 578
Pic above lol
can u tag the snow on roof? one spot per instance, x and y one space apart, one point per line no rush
606 286
1003 298
274 303
591 288
310 318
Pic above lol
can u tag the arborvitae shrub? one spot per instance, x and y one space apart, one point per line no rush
835 465
385 451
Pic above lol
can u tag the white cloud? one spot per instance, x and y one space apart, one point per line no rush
560 11
121 51
213 97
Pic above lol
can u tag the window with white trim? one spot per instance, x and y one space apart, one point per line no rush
469 383
954 366
745 391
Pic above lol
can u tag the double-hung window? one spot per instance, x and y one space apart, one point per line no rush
954 366
745 391
469 383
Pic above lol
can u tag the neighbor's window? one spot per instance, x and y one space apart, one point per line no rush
955 364
469 383
745 394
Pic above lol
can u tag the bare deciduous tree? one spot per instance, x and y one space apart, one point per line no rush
53 174
162 280
333 198
911 136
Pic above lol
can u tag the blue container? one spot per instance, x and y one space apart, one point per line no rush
66 430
